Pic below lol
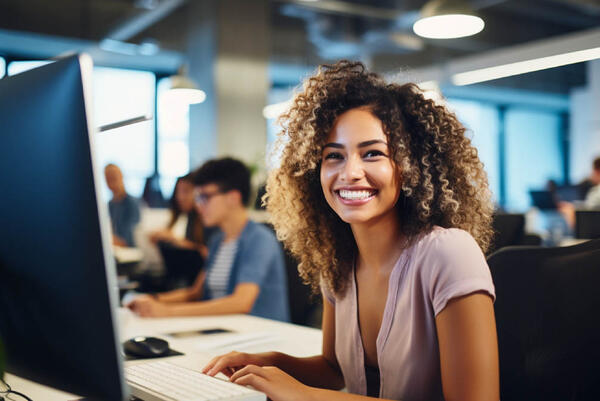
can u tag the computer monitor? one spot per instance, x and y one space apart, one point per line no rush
58 291
544 200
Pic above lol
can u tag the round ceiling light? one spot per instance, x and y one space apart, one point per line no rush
447 19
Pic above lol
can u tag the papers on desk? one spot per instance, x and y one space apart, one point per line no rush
234 341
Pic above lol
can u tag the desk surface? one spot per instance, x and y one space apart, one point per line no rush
250 334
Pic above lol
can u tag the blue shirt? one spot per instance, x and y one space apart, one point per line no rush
259 260
124 215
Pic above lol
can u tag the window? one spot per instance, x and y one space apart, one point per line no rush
119 95
533 154
481 121
173 138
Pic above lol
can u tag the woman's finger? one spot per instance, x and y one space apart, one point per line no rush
257 370
254 380
231 360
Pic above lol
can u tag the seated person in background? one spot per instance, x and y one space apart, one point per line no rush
245 270
593 181
124 209
384 201
183 213
592 198
589 192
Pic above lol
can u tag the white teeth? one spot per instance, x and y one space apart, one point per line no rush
355 195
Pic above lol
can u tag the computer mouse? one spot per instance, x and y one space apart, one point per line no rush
146 347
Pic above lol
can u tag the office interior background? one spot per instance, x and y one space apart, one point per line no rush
247 55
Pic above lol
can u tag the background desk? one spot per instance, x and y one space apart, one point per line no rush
253 334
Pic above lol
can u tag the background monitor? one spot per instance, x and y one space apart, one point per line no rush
58 292
544 200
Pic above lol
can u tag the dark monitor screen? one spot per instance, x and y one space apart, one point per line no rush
57 279
587 224
569 193
544 200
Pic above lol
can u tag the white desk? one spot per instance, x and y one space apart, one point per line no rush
269 335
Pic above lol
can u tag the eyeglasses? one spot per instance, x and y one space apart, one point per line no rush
204 198
8 394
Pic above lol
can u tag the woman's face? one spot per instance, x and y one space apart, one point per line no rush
358 177
184 196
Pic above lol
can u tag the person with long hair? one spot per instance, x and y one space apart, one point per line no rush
385 203
182 209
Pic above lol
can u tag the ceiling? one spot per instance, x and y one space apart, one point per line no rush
306 33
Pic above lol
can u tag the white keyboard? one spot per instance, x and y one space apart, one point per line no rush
164 381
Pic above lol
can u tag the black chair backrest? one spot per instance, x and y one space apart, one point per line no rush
181 265
509 229
302 303
587 224
547 320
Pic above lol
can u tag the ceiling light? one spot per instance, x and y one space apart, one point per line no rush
184 90
523 67
447 19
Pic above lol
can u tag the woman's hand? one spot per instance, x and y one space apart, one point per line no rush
274 382
229 363
161 235
147 306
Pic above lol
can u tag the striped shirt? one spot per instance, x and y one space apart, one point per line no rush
218 276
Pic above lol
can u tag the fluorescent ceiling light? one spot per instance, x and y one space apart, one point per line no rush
523 67
276 109
448 26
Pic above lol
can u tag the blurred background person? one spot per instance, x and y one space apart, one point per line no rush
185 228
124 209
592 182
245 269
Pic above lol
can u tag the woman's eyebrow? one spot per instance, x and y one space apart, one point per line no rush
371 142
360 145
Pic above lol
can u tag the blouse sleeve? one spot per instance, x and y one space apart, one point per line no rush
454 266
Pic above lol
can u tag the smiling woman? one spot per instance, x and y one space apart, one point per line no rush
385 203
441 177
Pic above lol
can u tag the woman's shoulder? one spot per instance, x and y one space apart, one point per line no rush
440 240
448 250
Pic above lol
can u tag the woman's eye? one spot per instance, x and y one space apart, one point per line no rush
333 155
373 153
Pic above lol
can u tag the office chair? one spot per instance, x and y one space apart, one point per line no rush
509 229
587 224
304 308
547 321
181 265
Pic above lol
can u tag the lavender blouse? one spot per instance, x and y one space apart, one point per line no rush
441 265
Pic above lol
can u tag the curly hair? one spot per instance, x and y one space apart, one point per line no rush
442 179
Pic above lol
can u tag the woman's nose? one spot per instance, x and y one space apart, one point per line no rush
352 170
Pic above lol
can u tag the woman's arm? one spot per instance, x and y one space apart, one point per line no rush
184 294
466 330
319 371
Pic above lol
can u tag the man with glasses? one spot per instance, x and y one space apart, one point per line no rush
245 270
